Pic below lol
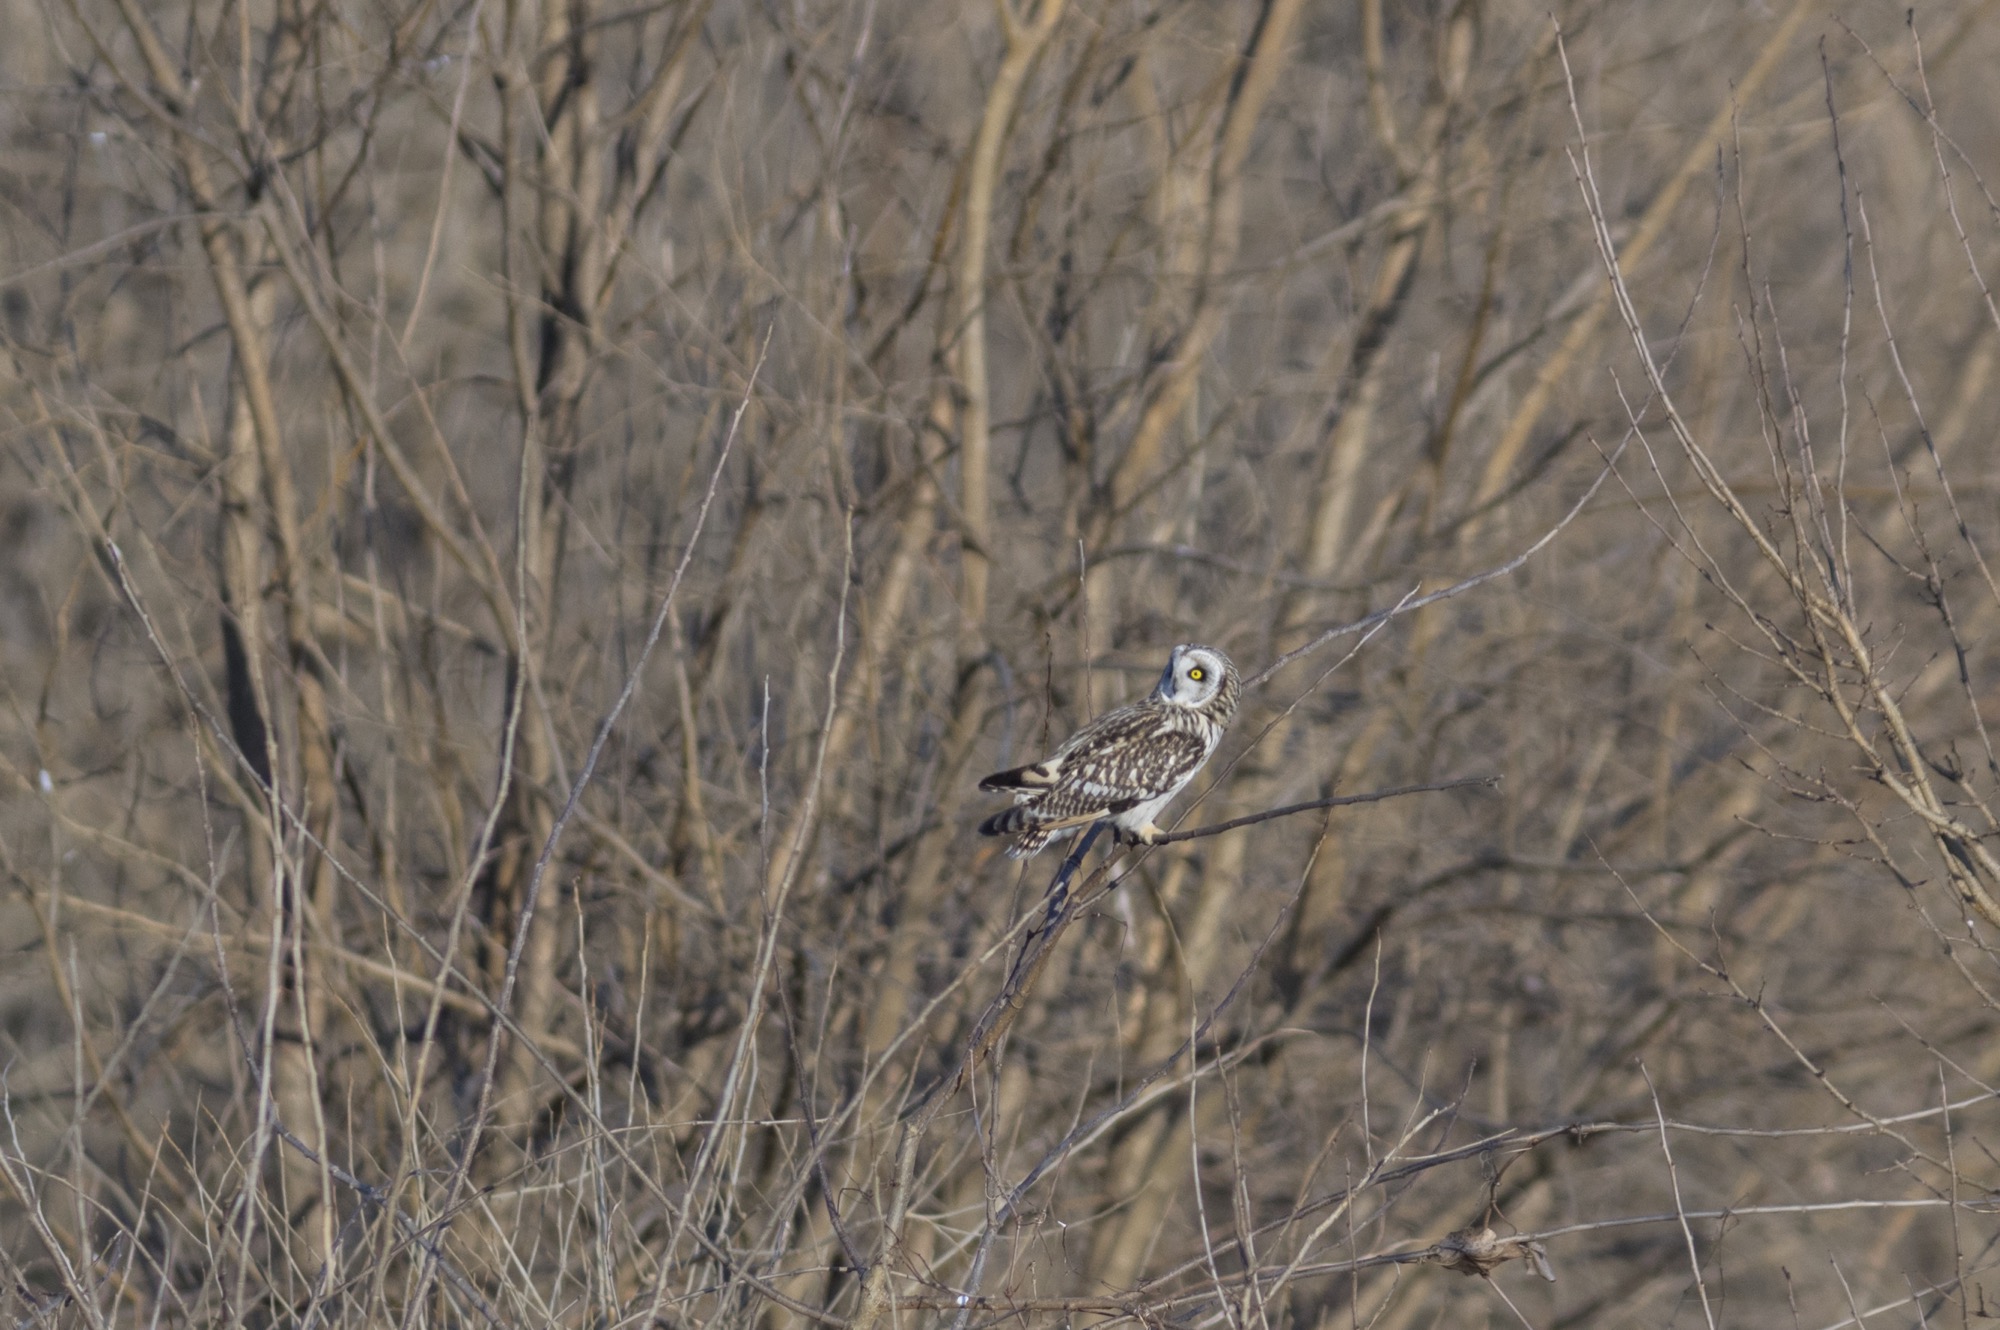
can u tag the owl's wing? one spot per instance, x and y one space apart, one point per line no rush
1034 776
1119 766
1023 781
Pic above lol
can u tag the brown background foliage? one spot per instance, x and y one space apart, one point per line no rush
877 390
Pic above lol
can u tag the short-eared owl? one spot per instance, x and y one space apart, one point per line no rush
1125 765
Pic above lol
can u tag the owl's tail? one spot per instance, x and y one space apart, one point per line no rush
1008 822
1030 836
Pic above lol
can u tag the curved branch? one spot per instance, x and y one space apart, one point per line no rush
1335 802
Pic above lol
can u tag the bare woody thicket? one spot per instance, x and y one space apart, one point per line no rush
525 525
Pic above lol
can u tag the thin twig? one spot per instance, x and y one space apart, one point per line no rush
1680 1210
583 778
1455 589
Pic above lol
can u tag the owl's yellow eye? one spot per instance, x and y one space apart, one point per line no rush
1197 674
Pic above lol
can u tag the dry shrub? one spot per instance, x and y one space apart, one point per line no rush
525 523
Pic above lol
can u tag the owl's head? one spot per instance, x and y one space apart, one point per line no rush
1198 676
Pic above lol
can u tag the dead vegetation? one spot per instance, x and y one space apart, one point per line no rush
524 524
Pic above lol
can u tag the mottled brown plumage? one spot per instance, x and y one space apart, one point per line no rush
1127 764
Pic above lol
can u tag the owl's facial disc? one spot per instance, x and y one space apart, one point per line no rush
1192 676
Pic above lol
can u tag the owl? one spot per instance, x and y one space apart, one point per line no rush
1125 765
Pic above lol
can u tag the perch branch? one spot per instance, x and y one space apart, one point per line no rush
1336 801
